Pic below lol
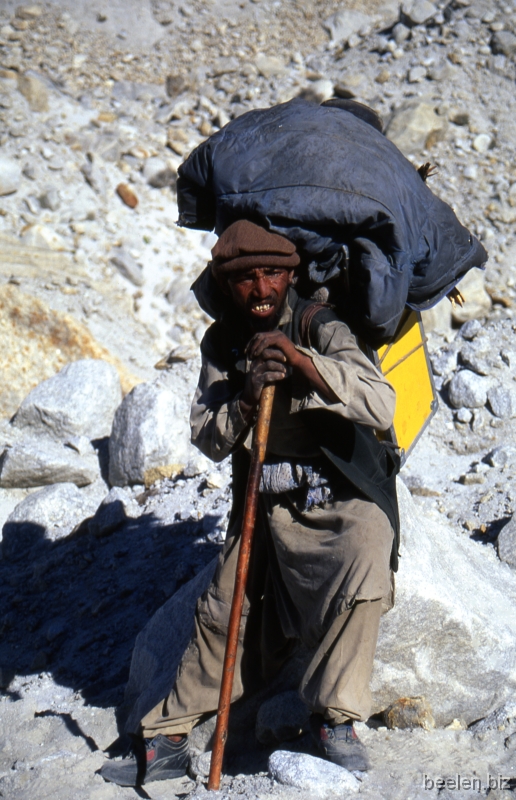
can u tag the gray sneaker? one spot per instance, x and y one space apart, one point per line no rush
155 759
340 744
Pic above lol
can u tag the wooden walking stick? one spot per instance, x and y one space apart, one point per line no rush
261 434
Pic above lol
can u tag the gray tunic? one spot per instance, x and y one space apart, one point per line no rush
365 397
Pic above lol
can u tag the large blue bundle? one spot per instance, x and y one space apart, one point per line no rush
344 194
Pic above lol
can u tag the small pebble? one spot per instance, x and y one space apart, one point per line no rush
417 74
127 195
481 142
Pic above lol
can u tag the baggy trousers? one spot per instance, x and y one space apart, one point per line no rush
320 576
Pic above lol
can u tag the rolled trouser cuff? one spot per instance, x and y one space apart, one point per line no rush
177 727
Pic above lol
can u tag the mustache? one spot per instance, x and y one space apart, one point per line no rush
270 299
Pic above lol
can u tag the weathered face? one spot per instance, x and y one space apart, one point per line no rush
260 293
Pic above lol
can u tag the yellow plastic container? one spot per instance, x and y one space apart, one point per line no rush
405 364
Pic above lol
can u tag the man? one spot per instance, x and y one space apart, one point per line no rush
323 549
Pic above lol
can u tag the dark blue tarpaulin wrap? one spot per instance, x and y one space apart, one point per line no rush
333 184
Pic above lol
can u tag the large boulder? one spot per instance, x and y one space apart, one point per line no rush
39 462
150 436
81 400
451 635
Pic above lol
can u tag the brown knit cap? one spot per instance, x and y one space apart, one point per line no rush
245 245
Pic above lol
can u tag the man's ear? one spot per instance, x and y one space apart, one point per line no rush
291 273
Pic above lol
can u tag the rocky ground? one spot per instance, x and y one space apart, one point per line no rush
99 103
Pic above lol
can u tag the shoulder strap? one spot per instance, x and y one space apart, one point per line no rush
307 317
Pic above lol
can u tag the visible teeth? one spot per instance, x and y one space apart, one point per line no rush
264 307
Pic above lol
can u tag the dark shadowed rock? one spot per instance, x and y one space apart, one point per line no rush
116 507
159 648
282 718
503 43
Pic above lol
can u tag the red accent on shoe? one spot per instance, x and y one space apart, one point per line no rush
324 734
150 754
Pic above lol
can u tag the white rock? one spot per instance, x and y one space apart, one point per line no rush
44 237
81 400
451 635
215 480
417 74
94 175
477 301
502 456
320 778
269 66
343 24
51 513
322 89
128 267
412 124
471 329
39 462
502 402
400 33
30 13
439 317
469 390
10 175
149 431
197 464
418 12
33 88
444 362
481 142
200 765
281 718
157 173
50 199
464 415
